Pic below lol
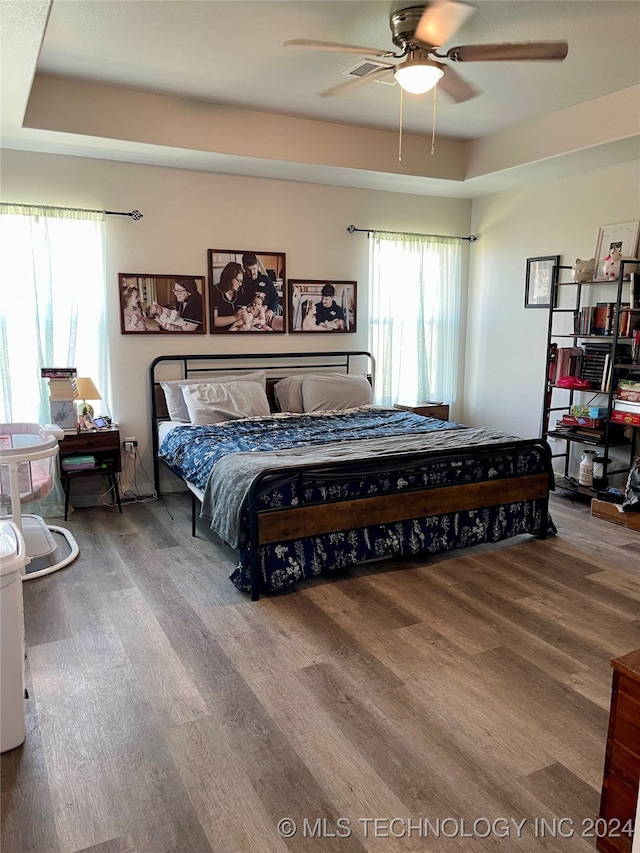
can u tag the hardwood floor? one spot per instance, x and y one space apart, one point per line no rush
467 694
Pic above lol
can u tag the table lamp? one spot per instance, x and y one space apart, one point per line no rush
85 390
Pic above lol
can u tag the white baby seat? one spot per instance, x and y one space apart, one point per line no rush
27 474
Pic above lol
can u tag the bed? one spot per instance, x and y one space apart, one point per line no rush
303 476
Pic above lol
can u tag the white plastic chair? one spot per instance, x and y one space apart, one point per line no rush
27 474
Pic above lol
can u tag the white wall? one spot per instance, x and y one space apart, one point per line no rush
506 344
186 213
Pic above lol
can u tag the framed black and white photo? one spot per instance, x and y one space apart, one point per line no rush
622 238
539 280
246 291
152 304
318 305
63 413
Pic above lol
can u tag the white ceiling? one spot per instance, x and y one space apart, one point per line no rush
231 54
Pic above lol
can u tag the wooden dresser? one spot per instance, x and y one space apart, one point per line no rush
622 757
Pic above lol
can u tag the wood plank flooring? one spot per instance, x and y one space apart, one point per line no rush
453 704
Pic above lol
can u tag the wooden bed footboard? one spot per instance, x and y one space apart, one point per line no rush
269 526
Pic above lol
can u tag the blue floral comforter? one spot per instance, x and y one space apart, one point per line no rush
223 460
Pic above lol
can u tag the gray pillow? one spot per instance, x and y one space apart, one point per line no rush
215 402
288 393
176 405
335 391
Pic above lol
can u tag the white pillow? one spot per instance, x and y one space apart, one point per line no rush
288 393
176 405
215 402
335 391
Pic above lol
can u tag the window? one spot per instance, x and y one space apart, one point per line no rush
415 285
52 313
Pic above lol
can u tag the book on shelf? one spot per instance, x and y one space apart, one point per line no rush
606 373
595 362
634 291
585 321
602 323
621 318
552 366
593 434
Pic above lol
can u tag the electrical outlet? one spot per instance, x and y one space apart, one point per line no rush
130 445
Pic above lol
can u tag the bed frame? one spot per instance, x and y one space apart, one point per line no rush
270 526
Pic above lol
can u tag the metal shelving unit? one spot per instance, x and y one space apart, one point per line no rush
559 399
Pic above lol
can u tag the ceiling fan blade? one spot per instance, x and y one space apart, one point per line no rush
496 52
355 82
456 87
310 44
441 19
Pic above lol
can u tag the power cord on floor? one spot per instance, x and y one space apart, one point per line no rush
132 493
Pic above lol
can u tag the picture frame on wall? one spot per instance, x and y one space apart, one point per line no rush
153 304
319 305
246 291
539 281
622 237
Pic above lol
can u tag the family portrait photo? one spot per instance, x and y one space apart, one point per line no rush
162 303
322 306
246 291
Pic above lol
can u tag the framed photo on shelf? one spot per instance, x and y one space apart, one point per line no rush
246 291
539 280
622 238
152 304
318 305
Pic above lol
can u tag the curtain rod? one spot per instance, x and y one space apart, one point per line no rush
352 229
134 214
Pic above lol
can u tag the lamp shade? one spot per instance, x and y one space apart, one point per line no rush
417 76
86 390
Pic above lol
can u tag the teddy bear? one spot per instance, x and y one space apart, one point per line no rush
611 265
583 270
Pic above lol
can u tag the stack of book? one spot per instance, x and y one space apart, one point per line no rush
61 395
626 406
596 364
585 321
603 318
584 427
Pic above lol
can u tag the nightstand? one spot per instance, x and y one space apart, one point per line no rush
428 410
622 758
104 446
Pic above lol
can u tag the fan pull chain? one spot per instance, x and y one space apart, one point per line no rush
433 125
400 135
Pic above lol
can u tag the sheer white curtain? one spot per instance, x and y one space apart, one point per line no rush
415 285
52 311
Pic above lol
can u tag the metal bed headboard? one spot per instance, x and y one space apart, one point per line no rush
277 366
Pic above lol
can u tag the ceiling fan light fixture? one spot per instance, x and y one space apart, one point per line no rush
418 76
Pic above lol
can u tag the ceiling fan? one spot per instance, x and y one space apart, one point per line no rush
418 31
